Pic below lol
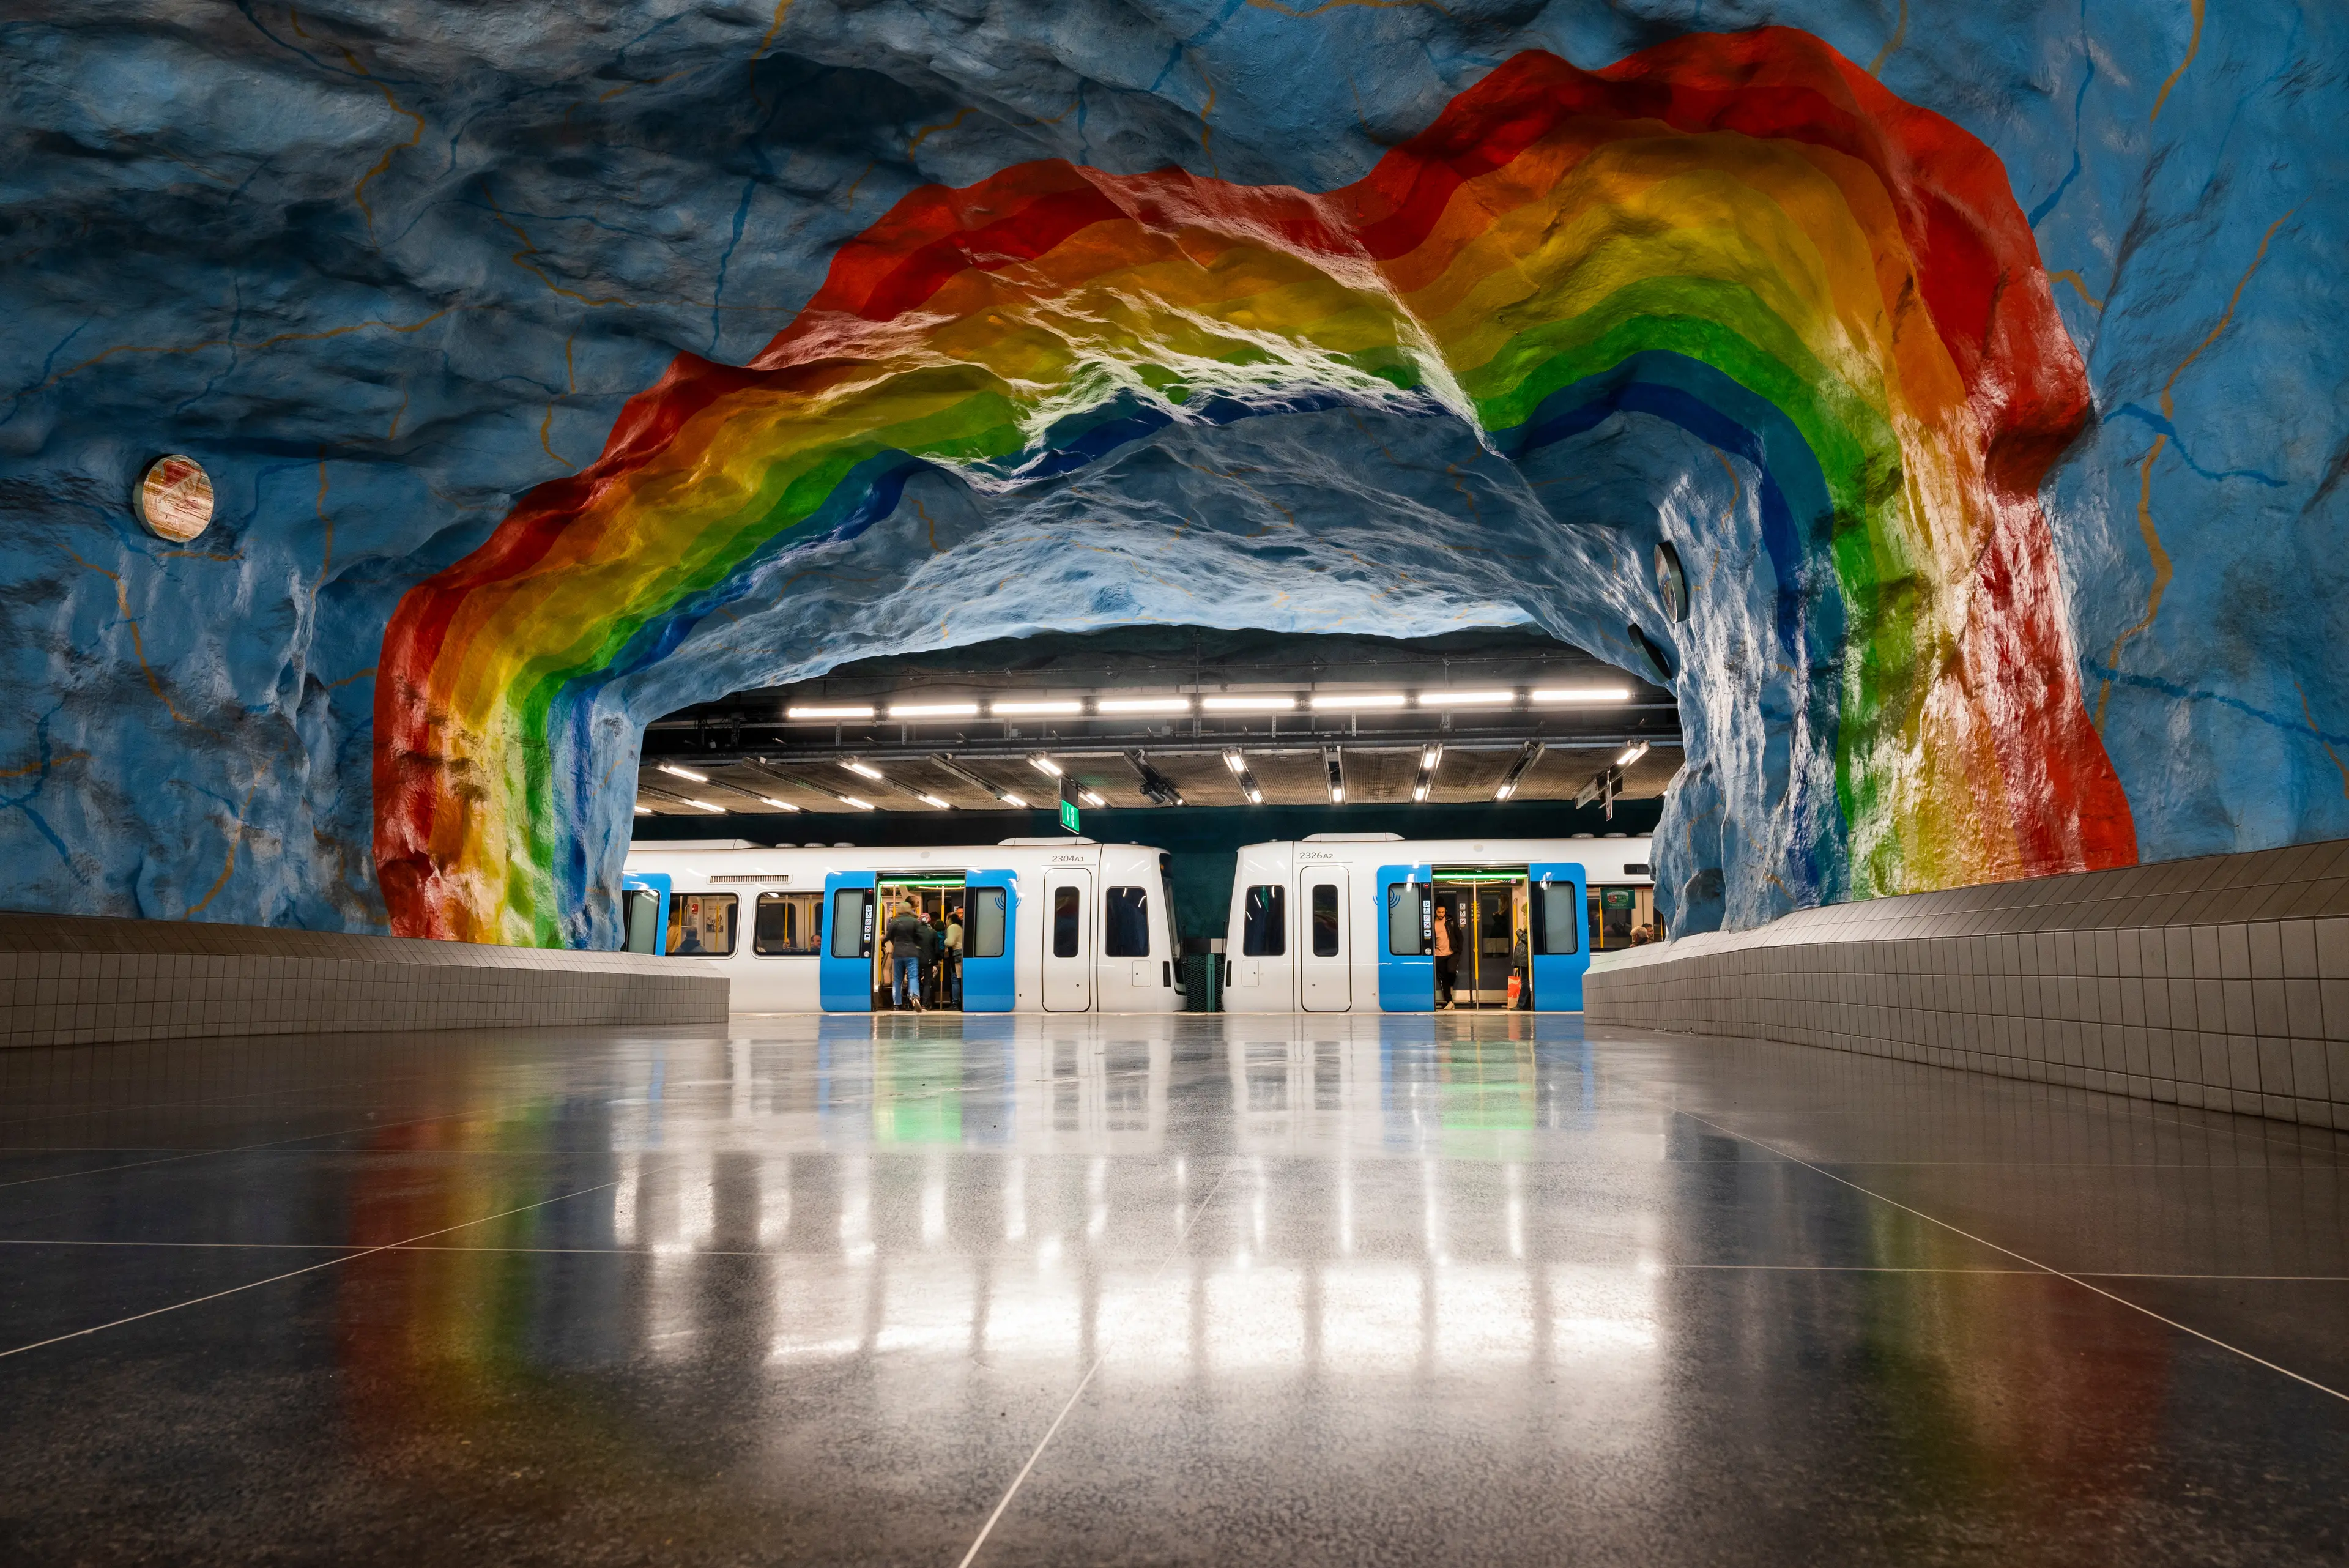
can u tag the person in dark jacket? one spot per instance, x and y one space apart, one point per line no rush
906 943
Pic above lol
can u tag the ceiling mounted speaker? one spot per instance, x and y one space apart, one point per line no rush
174 498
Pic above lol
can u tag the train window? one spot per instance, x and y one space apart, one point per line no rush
640 920
983 938
1262 933
1067 921
788 924
701 925
1325 919
851 934
1558 926
1128 917
1407 917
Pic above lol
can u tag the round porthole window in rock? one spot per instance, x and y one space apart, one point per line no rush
175 498
1671 583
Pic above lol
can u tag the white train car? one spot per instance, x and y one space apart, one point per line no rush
1347 922
1050 925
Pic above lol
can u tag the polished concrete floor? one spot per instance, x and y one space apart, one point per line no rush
932 1290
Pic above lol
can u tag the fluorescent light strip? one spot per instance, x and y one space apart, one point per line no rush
1044 764
1014 710
935 801
1089 798
1582 694
684 773
1345 700
707 806
1465 698
777 805
1146 704
1249 704
932 710
1010 799
873 773
644 811
847 712
1237 763
852 800
1633 755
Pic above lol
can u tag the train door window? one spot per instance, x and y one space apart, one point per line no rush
1127 916
701 925
788 924
983 936
1407 919
1262 918
1325 919
1555 929
850 909
640 919
1068 920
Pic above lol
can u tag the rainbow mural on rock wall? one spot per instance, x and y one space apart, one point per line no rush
1743 234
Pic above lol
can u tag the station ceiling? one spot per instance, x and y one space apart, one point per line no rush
1160 716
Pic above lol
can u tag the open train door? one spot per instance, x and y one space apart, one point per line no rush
990 913
1560 955
852 909
1407 941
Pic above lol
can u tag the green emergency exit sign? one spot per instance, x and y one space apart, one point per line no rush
1069 814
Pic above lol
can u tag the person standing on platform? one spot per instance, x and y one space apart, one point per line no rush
1443 960
954 956
906 944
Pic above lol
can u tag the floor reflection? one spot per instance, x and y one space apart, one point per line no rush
842 1251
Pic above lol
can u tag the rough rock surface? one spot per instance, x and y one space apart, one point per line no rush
386 269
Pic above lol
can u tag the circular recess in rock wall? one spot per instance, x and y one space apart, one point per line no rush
1672 582
174 498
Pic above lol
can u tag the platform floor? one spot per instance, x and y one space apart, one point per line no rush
1473 1288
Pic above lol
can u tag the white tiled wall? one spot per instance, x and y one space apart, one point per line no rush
2222 981
66 982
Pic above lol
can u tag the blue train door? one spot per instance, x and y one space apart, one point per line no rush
852 903
1407 939
644 911
1560 955
990 913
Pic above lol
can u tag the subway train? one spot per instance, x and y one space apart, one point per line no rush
1373 922
1050 925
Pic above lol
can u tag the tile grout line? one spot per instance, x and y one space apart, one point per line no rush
2032 1272
1078 1392
240 1148
2081 1280
307 1269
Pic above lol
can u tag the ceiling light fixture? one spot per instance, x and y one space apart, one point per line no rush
1429 755
1234 759
1352 699
1465 698
851 710
1090 799
777 805
1155 784
852 800
644 811
1529 754
1633 755
674 772
1022 709
1252 704
932 710
856 767
1145 705
707 806
1008 798
1582 694
1044 764
935 801
1333 760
